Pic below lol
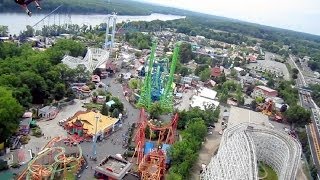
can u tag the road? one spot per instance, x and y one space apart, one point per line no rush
313 130
107 147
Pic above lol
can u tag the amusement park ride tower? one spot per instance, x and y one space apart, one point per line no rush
111 23
154 81
151 156
145 95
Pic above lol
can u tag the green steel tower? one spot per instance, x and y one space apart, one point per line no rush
166 99
145 95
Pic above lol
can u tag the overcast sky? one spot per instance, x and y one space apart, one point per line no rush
299 15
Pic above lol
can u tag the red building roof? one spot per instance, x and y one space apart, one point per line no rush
215 72
252 58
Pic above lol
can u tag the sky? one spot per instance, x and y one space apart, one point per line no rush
298 15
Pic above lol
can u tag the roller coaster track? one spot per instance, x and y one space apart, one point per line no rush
313 131
46 16
52 168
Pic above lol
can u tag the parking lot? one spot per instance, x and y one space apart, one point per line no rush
270 65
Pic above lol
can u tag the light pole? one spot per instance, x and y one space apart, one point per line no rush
94 148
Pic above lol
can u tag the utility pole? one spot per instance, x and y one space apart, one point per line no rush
94 148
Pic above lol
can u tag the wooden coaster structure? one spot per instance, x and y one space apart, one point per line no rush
152 165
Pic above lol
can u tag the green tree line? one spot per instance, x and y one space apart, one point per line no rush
29 76
122 7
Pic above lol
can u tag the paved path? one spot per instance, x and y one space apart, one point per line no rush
51 128
106 147
209 147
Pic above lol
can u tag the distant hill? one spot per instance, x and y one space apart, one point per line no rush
122 7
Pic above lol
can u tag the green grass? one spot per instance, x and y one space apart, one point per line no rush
70 174
267 172
93 106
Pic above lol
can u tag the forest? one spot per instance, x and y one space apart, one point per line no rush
231 31
122 7
30 76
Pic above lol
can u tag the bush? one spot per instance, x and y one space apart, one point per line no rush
15 165
3 165
36 132
24 139
33 126
129 154
91 85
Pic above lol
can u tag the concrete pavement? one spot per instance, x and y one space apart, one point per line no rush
113 144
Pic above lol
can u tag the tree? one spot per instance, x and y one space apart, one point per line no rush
155 110
97 71
314 172
295 71
138 54
11 111
288 93
105 109
4 31
134 83
243 73
36 84
197 128
59 91
173 176
233 73
239 96
184 153
221 79
205 74
270 83
185 52
70 94
315 93
115 113
29 32
249 89
294 76
184 71
117 105
253 105
199 69
298 116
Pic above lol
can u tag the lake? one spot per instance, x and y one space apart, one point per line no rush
18 21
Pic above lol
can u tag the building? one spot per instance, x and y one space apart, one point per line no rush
112 167
246 80
24 126
252 59
95 78
84 124
238 69
111 68
244 145
48 112
203 103
207 93
216 72
263 91
186 80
